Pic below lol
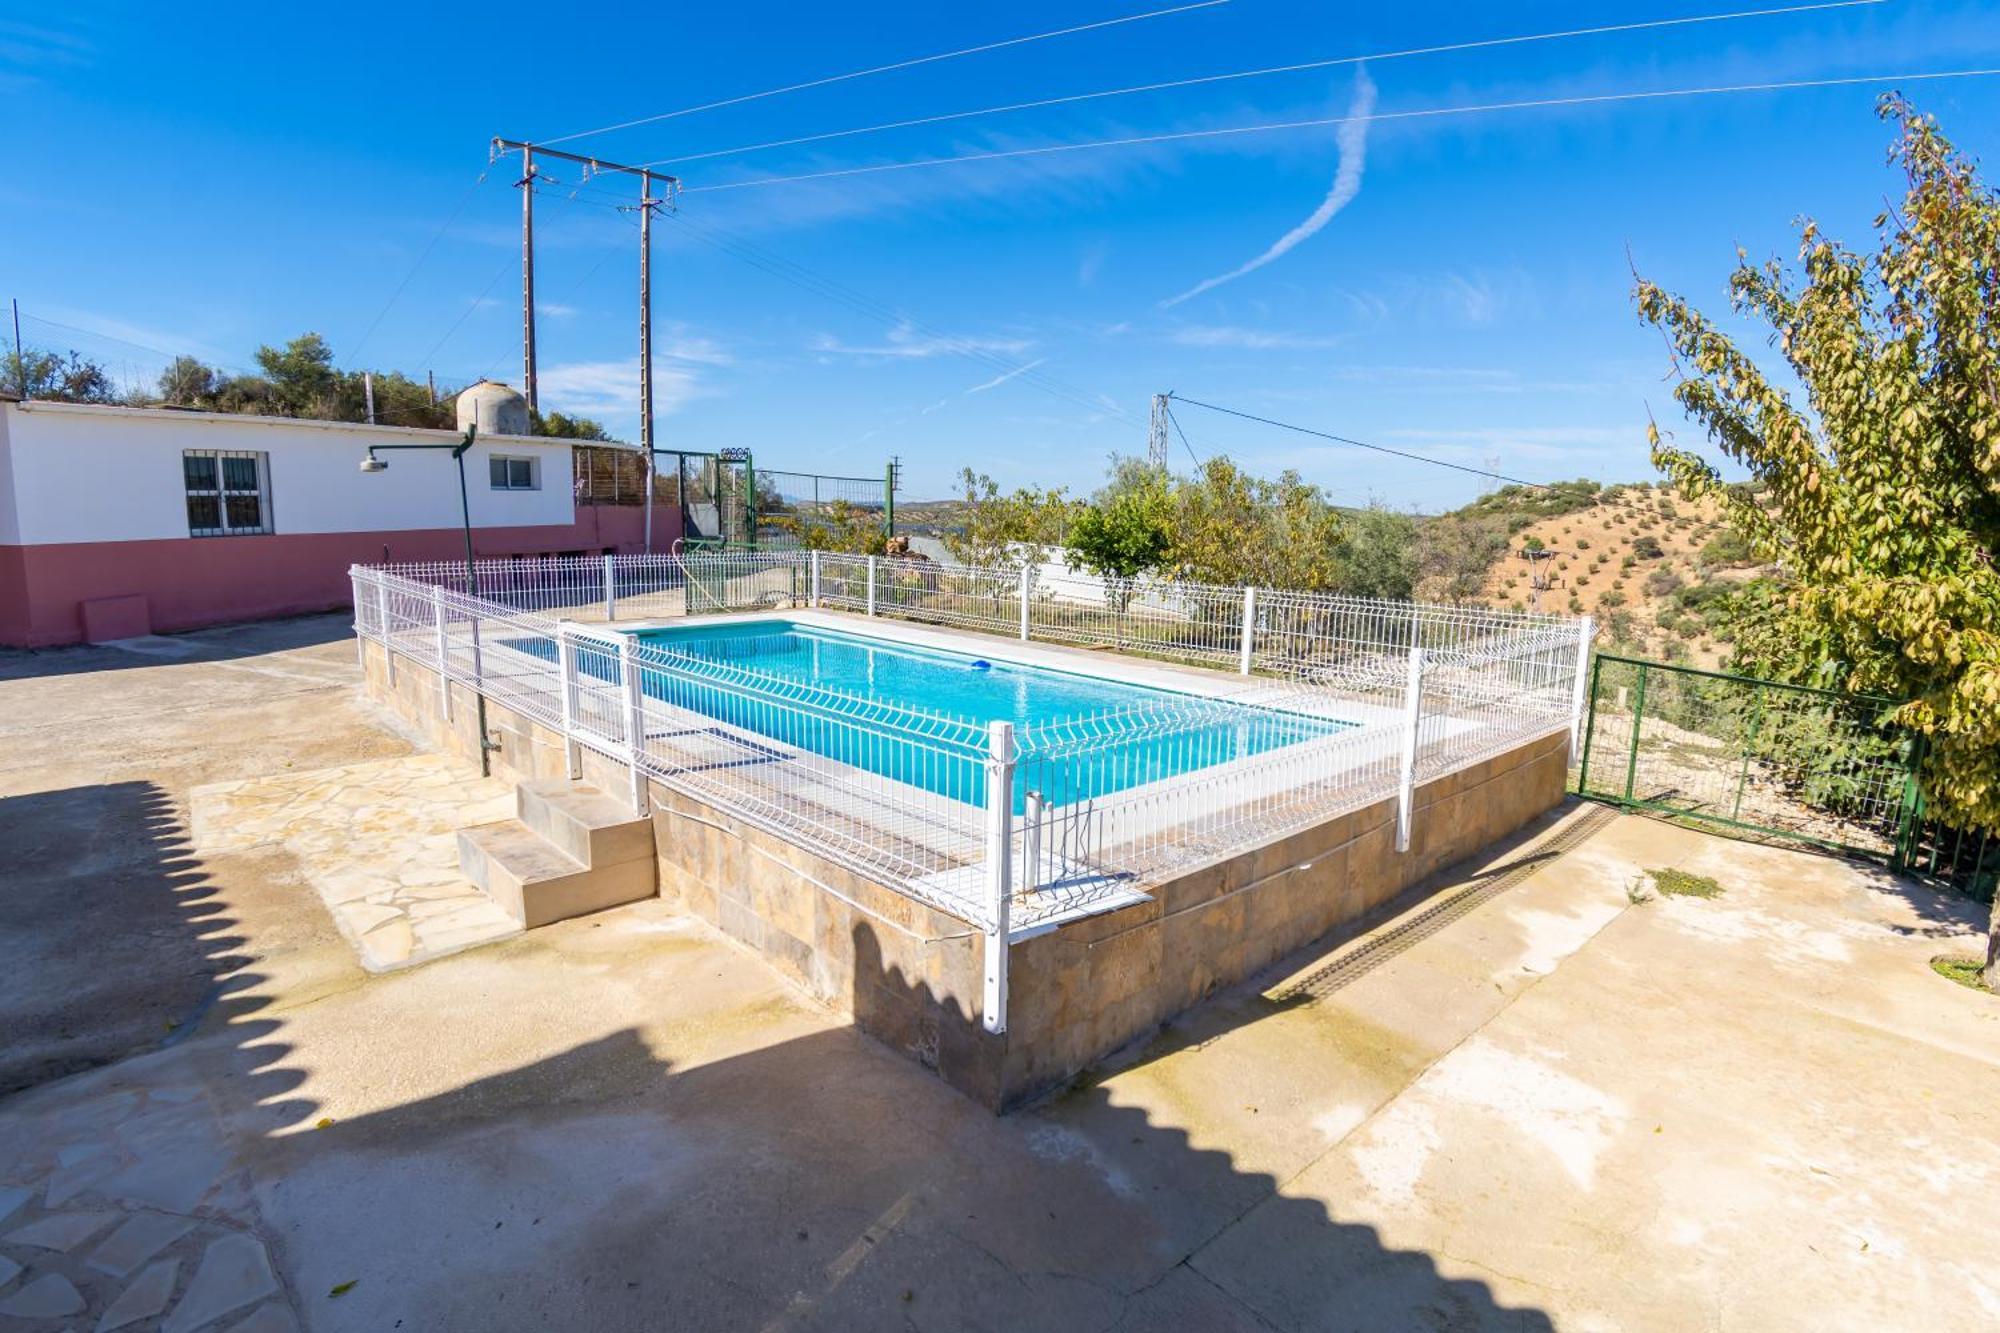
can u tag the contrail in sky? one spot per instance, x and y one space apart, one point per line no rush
1353 139
1003 377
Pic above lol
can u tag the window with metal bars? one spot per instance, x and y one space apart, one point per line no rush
228 492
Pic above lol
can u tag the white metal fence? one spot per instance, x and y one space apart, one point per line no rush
1338 702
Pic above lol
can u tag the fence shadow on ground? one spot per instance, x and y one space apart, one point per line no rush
820 1182
116 941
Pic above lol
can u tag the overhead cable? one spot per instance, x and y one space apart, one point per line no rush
885 69
1305 66
1358 444
1588 99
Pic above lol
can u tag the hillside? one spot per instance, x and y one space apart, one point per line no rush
1656 570
1653 568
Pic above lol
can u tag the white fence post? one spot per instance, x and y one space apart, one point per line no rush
1034 814
635 719
812 597
1027 592
382 620
1406 781
566 691
1249 630
610 588
443 651
999 870
871 585
360 619
1582 683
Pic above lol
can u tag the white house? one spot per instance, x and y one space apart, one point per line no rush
117 521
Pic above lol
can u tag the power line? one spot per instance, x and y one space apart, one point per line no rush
829 289
580 284
233 368
1170 84
1358 444
473 305
394 296
1591 99
818 284
887 69
1175 423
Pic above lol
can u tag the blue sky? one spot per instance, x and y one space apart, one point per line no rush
207 186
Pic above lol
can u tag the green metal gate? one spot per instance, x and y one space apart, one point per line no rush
801 508
715 492
1760 757
727 504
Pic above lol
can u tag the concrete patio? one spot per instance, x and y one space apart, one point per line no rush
1522 1101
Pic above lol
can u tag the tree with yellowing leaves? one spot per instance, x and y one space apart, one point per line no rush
1883 487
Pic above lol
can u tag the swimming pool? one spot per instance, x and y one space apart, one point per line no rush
1139 733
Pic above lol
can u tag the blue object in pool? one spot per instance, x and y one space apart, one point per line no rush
973 689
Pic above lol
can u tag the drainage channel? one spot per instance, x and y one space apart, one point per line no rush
1370 952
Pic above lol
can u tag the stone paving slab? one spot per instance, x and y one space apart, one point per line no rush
109 1257
377 841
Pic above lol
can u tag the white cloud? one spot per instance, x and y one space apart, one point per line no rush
1476 299
1212 335
162 342
609 390
1473 298
981 387
676 343
36 49
1004 376
1352 137
906 342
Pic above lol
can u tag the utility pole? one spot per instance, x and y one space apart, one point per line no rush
647 203
527 187
430 378
1156 438
20 361
368 390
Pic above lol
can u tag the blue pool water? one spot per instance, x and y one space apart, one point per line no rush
1141 748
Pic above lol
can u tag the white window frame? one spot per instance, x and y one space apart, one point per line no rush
534 471
221 493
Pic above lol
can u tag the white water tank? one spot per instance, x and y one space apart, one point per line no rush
494 408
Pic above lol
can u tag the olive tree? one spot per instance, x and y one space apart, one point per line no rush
1883 485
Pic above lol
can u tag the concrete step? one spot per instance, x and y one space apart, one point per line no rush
584 822
536 882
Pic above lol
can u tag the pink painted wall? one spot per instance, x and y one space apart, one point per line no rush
190 582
